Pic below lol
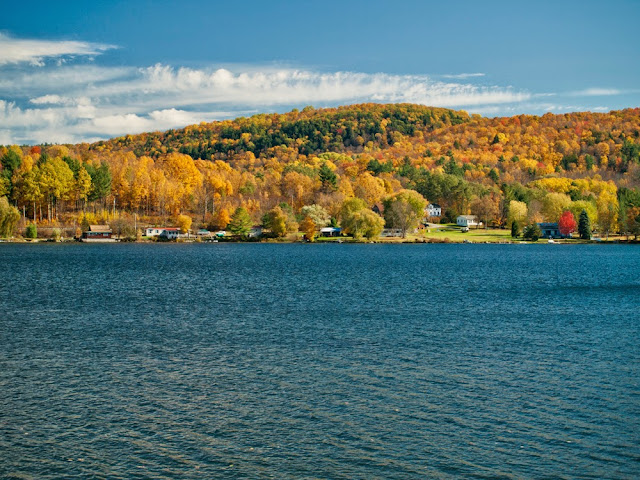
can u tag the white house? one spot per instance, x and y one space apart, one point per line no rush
166 233
330 232
169 233
467 221
153 231
433 210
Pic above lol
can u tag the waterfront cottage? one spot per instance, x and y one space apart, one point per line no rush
169 234
97 233
551 230
330 232
164 233
153 231
468 221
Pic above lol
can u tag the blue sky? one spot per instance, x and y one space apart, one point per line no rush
80 71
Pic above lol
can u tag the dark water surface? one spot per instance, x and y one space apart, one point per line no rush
319 361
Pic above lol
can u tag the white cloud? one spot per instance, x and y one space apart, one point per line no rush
596 92
51 100
463 76
34 52
78 102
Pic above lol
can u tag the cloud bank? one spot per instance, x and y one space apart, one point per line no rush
48 95
86 102
34 52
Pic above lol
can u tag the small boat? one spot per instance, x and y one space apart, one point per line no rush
551 240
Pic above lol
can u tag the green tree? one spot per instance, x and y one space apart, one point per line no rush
240 223
276 221
9 162
584 226
100 181
349 207
9 218
404 210
579 206
328 178
31 231
366 223
515 229
531 232
357 220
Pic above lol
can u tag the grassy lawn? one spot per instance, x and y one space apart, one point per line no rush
480 235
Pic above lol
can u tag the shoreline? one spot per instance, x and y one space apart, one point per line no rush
395 241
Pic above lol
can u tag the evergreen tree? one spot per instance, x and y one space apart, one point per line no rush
584 226
240 223
532 232
515 229
328 178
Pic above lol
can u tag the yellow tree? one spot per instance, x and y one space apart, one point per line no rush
184 223
608 207
553 205
308 226
369 188
517 212
56 181
181 171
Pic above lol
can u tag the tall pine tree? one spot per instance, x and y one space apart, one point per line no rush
584 226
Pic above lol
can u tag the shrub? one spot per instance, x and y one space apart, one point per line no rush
31 231
531 232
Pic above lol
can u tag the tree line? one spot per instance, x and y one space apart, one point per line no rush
526 169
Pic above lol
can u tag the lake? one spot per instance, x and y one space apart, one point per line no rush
319 361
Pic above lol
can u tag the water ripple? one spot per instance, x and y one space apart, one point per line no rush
319 361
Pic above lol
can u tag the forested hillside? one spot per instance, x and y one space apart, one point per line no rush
524 168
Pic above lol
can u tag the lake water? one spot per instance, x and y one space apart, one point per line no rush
319 361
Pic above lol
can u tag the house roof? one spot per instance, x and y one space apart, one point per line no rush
330 229
100 228
468 217
433 205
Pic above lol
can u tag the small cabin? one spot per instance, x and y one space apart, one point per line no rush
330 232
551 230
97 232
467 221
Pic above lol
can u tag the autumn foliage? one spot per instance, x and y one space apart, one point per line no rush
567 223
524 168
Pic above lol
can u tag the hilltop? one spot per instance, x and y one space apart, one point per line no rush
466 163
